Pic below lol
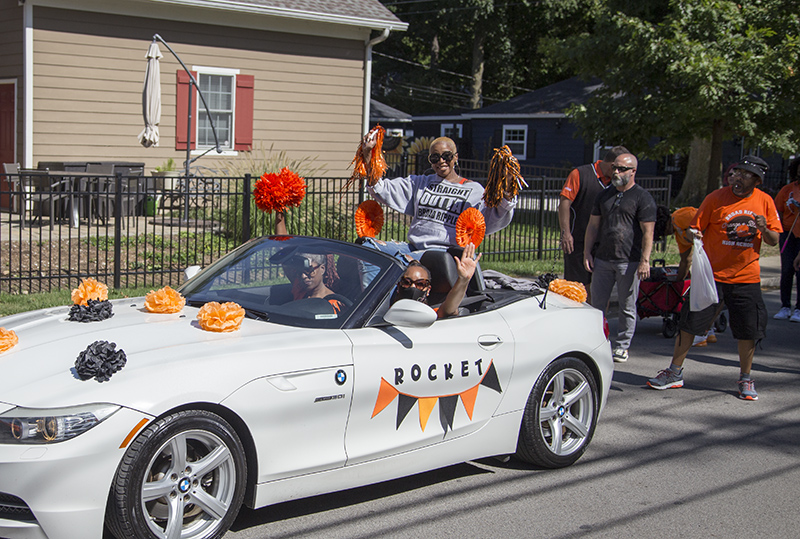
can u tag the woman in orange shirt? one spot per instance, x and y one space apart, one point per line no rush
788 203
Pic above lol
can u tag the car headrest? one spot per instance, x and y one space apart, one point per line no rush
442 268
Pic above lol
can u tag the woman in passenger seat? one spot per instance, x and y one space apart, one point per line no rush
415 283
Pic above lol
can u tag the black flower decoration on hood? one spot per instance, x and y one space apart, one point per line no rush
95 311
100 360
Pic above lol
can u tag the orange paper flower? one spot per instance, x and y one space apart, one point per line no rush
8 339
569 289
470 227
221 317
369 219
276 192
165 300
89 289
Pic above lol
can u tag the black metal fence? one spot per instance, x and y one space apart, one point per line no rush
131 231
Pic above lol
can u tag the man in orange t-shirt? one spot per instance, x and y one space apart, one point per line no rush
788 203
732 222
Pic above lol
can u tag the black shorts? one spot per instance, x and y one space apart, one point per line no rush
747 314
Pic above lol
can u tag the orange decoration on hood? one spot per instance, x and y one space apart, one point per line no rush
165 300
569 289
89 289
220 317
8 339
276 192
369 219
470 227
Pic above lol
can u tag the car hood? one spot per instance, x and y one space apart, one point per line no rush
170 359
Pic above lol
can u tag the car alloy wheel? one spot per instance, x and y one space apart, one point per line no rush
560 415
183 477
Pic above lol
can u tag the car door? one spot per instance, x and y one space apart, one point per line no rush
420 386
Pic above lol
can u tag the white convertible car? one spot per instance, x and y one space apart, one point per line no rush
306 397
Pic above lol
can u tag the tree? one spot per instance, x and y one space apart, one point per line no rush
689 71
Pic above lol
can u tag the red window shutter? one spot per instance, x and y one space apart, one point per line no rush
182 110
243 138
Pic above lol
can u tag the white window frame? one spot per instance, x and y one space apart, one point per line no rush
453 127
198 107
521 156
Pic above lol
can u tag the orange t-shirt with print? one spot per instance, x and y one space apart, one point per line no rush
681 222
789 212
730 236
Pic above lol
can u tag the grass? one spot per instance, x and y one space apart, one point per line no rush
18 303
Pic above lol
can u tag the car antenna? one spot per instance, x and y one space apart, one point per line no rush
543 302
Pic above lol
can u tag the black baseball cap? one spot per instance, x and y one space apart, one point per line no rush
753 164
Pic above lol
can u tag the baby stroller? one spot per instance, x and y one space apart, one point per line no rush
663 295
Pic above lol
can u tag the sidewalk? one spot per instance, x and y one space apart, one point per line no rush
770 271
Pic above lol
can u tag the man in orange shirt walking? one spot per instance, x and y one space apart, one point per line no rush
732 222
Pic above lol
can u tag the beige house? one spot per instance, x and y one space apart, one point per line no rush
293 74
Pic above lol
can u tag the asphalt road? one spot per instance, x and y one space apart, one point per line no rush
691 462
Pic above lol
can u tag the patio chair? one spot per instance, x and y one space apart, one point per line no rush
34 191
105 194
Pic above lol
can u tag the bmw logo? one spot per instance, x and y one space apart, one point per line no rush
561 411
184 485
341 377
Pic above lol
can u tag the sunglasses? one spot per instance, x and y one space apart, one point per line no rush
422 284
434 157
622 169
294 272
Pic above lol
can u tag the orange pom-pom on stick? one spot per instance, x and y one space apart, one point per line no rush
220 317
569 289
369 219
89 289
8 339
164 300
376 168
504 178
276 192
470 227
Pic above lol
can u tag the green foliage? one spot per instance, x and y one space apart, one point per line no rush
670 70
18 303
168 166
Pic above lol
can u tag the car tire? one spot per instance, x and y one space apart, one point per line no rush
201 490
560 416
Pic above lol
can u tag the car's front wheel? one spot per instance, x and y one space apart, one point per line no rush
560 415
183 477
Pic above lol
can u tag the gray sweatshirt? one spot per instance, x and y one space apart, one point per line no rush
435 205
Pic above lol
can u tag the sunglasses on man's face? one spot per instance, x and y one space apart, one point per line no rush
422 284
434 157
618 168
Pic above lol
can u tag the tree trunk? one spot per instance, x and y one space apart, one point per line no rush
715 158
693 190
477 64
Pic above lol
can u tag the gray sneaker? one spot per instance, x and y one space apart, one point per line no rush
666 379
620 355
747 390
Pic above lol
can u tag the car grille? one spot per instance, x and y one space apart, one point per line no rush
14 508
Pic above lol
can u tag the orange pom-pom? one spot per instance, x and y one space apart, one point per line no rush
470 227
165 300
220 317
369 219
8 339
376 168
276 192
89 289
504 177
569 289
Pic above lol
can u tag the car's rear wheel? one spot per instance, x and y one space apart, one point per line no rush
183 477
560 415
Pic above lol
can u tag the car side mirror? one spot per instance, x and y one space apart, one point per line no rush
191 271
411 314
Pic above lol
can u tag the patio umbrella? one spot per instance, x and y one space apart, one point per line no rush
151 97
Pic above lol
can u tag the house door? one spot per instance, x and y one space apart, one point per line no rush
7 132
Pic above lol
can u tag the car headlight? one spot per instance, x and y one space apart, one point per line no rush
50 425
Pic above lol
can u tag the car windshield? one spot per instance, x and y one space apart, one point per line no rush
299 281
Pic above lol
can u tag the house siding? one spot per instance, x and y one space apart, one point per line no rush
89 69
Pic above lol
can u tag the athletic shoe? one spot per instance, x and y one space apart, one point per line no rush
783 314
620 355
795 316
666 379
700 341
712 337
747 390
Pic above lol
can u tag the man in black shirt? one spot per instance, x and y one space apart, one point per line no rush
622 222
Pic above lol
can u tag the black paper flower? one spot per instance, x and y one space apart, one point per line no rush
544 280
100 360
95 311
